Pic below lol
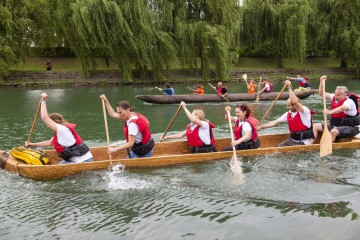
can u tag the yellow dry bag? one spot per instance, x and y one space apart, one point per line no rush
30 156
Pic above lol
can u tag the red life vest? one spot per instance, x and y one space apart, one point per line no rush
295 123
335 105
144 128
271 86
238 129
219 90
193 138
307 84
55 143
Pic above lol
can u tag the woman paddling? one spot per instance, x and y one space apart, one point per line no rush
244 130
198 133
66 140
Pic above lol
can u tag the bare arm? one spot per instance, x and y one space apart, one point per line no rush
175 136
269 125
293 98
321 92
228 108
47 143
110 110
129 144
44 114
242 139
190 115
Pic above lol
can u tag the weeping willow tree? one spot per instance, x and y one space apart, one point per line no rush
345 31
16 26
318 27
125 31
277 25
205 29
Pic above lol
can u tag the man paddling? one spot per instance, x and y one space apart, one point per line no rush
268 87
303 82
345 120
136 130
299 121
222 90
168 90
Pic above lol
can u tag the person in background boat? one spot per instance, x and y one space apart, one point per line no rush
168 90
66 140
48 65
222 90
268 87
245 133
299 121
303 82
251 87
199 90
139 141
344 115
199 133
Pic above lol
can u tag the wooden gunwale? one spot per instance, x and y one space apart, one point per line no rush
162 157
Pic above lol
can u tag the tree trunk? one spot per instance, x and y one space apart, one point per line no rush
343 63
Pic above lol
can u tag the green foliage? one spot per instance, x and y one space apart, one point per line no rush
279 24
344 31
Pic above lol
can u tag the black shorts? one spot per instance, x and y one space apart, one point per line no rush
344 131
289 142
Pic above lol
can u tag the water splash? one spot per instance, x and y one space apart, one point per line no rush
118 181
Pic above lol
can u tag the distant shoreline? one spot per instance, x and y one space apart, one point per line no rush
57 78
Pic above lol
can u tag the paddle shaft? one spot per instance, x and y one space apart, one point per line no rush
219 93
106 129
257 95
232 139
34 122
172 120
272 105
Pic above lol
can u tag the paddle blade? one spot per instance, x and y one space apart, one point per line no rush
325 143
235 166
244 76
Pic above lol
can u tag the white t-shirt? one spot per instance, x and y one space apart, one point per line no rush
204 132
267 85
133 129
246 126
305 119
348 103
66 139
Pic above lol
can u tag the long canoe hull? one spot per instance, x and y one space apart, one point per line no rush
189 98
165 154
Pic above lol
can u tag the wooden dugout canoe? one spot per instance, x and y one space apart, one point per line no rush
193 98
165 154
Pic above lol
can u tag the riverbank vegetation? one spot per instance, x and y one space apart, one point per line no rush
160 35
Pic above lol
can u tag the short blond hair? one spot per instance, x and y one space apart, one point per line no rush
199 113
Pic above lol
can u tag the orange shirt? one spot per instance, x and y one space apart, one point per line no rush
252 88
200 91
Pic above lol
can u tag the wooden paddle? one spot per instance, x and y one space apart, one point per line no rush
172 120
235 166
244 76
34 121
160 89
219 93
257 95
272 105
326 139
107 131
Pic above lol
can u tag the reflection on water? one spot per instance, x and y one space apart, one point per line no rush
333 209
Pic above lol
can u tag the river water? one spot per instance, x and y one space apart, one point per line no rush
284 196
